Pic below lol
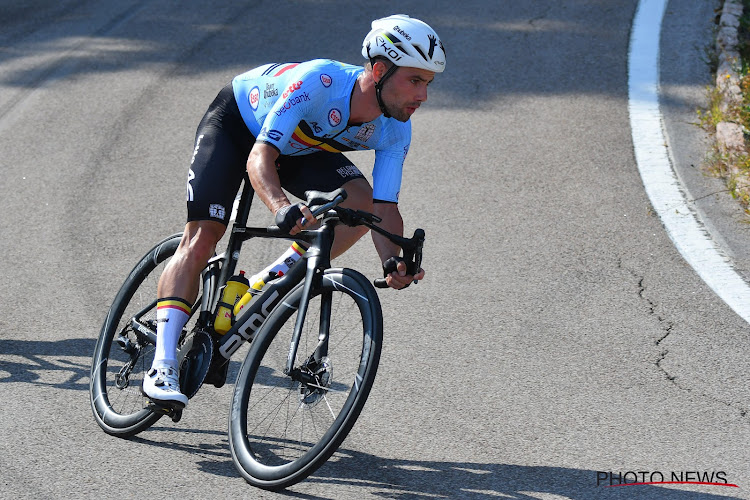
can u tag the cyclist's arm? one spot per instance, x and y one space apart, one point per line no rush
393 223
261 169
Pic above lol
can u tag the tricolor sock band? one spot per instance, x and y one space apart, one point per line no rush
171 315
174 303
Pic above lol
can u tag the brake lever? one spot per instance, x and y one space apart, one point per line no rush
413 257
412 250
353 218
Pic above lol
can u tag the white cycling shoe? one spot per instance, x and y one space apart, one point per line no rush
162 385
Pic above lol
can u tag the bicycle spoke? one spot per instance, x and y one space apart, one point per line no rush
295 421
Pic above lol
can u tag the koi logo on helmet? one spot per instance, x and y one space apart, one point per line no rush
391 52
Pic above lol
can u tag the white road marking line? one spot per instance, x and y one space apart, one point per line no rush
664 190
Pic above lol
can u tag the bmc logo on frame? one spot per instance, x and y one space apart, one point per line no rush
645 478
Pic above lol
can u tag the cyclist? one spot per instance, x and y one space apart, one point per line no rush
286 126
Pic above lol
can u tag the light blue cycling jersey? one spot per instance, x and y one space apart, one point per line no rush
303 108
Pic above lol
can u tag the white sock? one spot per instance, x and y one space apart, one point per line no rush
171 315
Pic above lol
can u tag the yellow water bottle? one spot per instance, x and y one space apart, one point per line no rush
252 291
235 288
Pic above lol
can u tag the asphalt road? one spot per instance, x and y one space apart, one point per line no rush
557 336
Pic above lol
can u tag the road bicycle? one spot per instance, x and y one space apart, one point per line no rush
315 337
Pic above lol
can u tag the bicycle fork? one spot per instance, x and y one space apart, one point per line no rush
317 261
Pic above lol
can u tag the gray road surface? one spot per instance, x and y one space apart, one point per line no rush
558 332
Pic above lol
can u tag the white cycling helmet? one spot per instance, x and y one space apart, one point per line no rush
406 42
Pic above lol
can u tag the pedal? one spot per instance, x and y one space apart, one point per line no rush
172 411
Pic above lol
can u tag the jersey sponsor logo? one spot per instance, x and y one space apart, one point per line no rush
254 98
216 211
271 91
334 117
401 32
326 80
293 102
191 176
349 171
272 134
316 128
197 145
291 89
365 132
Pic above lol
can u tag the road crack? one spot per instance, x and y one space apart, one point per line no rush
668 328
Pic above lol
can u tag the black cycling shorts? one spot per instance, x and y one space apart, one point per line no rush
218 167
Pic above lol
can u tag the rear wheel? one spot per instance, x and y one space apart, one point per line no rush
283 427
125 348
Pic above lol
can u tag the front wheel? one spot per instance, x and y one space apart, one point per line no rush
283 427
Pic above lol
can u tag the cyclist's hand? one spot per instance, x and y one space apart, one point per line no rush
396 275
292 218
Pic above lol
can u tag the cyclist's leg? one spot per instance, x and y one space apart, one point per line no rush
359 197
177 291
326 171
180 277
216 172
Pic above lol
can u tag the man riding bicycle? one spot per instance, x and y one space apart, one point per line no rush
286 126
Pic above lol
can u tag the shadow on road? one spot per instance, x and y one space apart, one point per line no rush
407 479
413 479
65 364
491 49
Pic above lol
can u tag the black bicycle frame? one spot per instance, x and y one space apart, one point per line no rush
309 268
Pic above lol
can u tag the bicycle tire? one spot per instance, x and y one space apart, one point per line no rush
297 427
116 400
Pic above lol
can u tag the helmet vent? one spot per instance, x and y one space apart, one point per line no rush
421 53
